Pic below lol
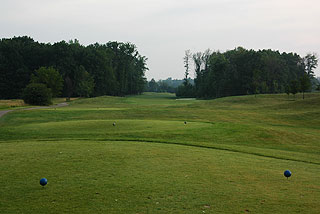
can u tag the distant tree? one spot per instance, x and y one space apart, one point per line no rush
163 86
153 86
69 85
255 82
264 87
84 83
294 87
201 63
198 62
187 89
310 62
168 85
219 77
305 84
186 60
17 59
37 94
287 89
129 67
273 66
50 77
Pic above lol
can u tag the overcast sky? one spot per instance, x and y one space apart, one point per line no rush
163 29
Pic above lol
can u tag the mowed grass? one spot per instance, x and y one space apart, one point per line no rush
228 158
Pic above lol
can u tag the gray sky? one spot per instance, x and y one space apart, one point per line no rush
163 29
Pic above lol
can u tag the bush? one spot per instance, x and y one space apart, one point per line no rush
50 77
37 94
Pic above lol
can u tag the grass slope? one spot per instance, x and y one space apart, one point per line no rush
229 157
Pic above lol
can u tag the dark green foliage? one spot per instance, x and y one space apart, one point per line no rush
310 62
294 87
317 83
241 72
84 83
128 66
50 77
168 85
114 68
69 87
305 84
14 70
37 94
185 91
287 89
153 86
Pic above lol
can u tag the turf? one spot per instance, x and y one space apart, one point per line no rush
228 158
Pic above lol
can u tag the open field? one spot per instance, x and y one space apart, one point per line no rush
228 158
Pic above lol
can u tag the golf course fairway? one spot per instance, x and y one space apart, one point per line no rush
229 156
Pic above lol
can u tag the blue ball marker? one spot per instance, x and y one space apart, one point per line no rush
43 181
287 173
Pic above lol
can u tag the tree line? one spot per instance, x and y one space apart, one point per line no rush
168 85
114 68
241 71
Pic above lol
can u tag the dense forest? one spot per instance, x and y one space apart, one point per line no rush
114 68
241 71
117 69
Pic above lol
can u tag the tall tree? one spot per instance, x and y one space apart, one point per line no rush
305 84
186 90
287 89
310 62
153 86
294 87
186 60
84 83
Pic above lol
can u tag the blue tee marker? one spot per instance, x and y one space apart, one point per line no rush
287 173
43 181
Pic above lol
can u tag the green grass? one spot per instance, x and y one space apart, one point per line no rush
228 158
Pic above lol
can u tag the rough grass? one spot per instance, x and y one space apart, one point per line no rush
20 104
228 158
10 104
